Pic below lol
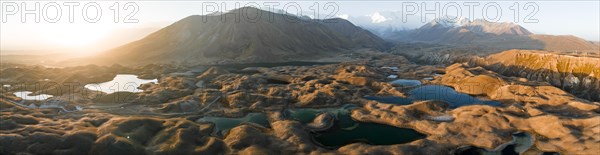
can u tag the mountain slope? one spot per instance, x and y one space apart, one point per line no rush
257 36
357 35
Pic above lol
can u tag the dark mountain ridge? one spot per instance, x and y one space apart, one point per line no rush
244 35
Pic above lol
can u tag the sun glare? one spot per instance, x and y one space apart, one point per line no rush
75 35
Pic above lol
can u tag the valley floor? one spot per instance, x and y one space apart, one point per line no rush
289 109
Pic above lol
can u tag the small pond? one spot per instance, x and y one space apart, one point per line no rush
406 83
346 130
447 94
121 83
224 124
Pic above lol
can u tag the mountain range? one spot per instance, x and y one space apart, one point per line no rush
250 35
493 35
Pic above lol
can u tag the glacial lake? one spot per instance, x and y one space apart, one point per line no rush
307 115
434 92
406 83
224 124
346 130
25 96
121 83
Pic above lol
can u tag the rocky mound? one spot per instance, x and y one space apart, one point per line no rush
165 118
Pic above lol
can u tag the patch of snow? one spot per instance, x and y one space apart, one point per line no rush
450 22
343 16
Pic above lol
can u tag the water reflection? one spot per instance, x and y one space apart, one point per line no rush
434 92
121 83
446 94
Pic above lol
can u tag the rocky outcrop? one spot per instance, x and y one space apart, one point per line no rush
463 80
577 75
184 105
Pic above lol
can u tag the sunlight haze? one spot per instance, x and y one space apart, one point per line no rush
555 18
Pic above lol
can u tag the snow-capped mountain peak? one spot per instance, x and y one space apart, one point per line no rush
378 18
385 23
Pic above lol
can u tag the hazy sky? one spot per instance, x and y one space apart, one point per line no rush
579 18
